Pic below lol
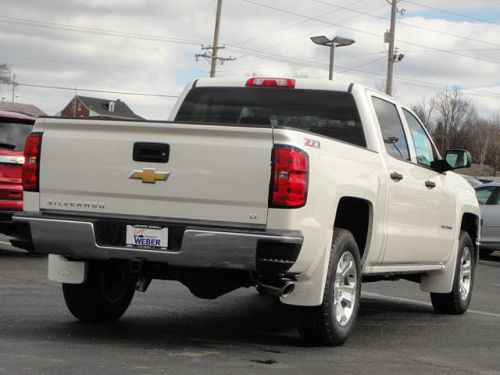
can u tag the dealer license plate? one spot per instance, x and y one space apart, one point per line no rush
147 236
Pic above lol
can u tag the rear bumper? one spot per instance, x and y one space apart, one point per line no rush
202 247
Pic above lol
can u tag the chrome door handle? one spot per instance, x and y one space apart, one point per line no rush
396 176
430 184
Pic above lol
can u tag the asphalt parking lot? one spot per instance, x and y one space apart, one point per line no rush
168 331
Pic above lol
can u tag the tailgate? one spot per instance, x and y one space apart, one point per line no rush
213 173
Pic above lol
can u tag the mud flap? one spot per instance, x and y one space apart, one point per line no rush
64 271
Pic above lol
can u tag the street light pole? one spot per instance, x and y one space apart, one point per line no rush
332 54
332 43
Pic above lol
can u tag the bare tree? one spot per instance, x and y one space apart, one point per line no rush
5 74
453 113
425 110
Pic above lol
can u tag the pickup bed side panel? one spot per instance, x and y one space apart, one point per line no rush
216 174
336 170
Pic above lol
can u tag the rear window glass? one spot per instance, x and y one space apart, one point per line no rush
328 113
13 134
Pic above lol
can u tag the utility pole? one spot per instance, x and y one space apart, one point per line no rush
215 45
14 84
390 55
214 48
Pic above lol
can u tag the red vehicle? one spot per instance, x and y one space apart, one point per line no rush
14 127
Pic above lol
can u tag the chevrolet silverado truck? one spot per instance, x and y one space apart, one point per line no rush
301 188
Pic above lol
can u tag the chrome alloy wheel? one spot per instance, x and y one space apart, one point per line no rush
345 289
465 273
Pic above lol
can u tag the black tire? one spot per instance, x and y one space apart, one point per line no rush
319 325
103 297
456 302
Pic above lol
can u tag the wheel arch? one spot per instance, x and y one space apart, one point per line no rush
355 215
470 224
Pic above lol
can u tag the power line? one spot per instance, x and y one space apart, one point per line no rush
367 32
113 66
96 90
441 32
89 30
452 13
400 79
364 64
293 25
306 34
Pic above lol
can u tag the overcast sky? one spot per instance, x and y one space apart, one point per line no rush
148 47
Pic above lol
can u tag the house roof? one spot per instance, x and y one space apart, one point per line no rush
26 109
103 108
6 115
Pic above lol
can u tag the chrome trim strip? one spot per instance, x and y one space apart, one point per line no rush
10 159
67 215
203 248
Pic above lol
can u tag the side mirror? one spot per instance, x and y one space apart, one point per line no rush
454 159
458 158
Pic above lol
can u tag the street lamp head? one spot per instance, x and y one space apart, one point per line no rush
342 42
321 40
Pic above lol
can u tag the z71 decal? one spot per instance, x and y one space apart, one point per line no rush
308 142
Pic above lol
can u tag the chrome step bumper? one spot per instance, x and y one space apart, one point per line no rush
201 247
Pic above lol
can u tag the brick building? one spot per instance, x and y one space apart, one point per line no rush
84 106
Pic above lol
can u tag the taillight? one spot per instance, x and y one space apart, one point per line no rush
289 177
271 82
31 166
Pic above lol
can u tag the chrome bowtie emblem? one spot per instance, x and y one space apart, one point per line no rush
149 175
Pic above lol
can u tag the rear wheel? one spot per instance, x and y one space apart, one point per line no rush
458 300
104 296
332 322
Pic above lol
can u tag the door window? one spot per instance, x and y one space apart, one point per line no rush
392 129
423 146
484 194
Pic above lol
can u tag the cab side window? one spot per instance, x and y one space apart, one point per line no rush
423 146
392 129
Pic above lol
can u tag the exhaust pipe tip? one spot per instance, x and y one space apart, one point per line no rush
284 290
287 289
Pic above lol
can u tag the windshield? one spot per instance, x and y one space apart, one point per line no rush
329 113
14 133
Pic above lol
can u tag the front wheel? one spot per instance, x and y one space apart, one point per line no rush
332 322
458 300
103 297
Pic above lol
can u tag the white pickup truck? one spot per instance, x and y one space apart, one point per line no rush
302 188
